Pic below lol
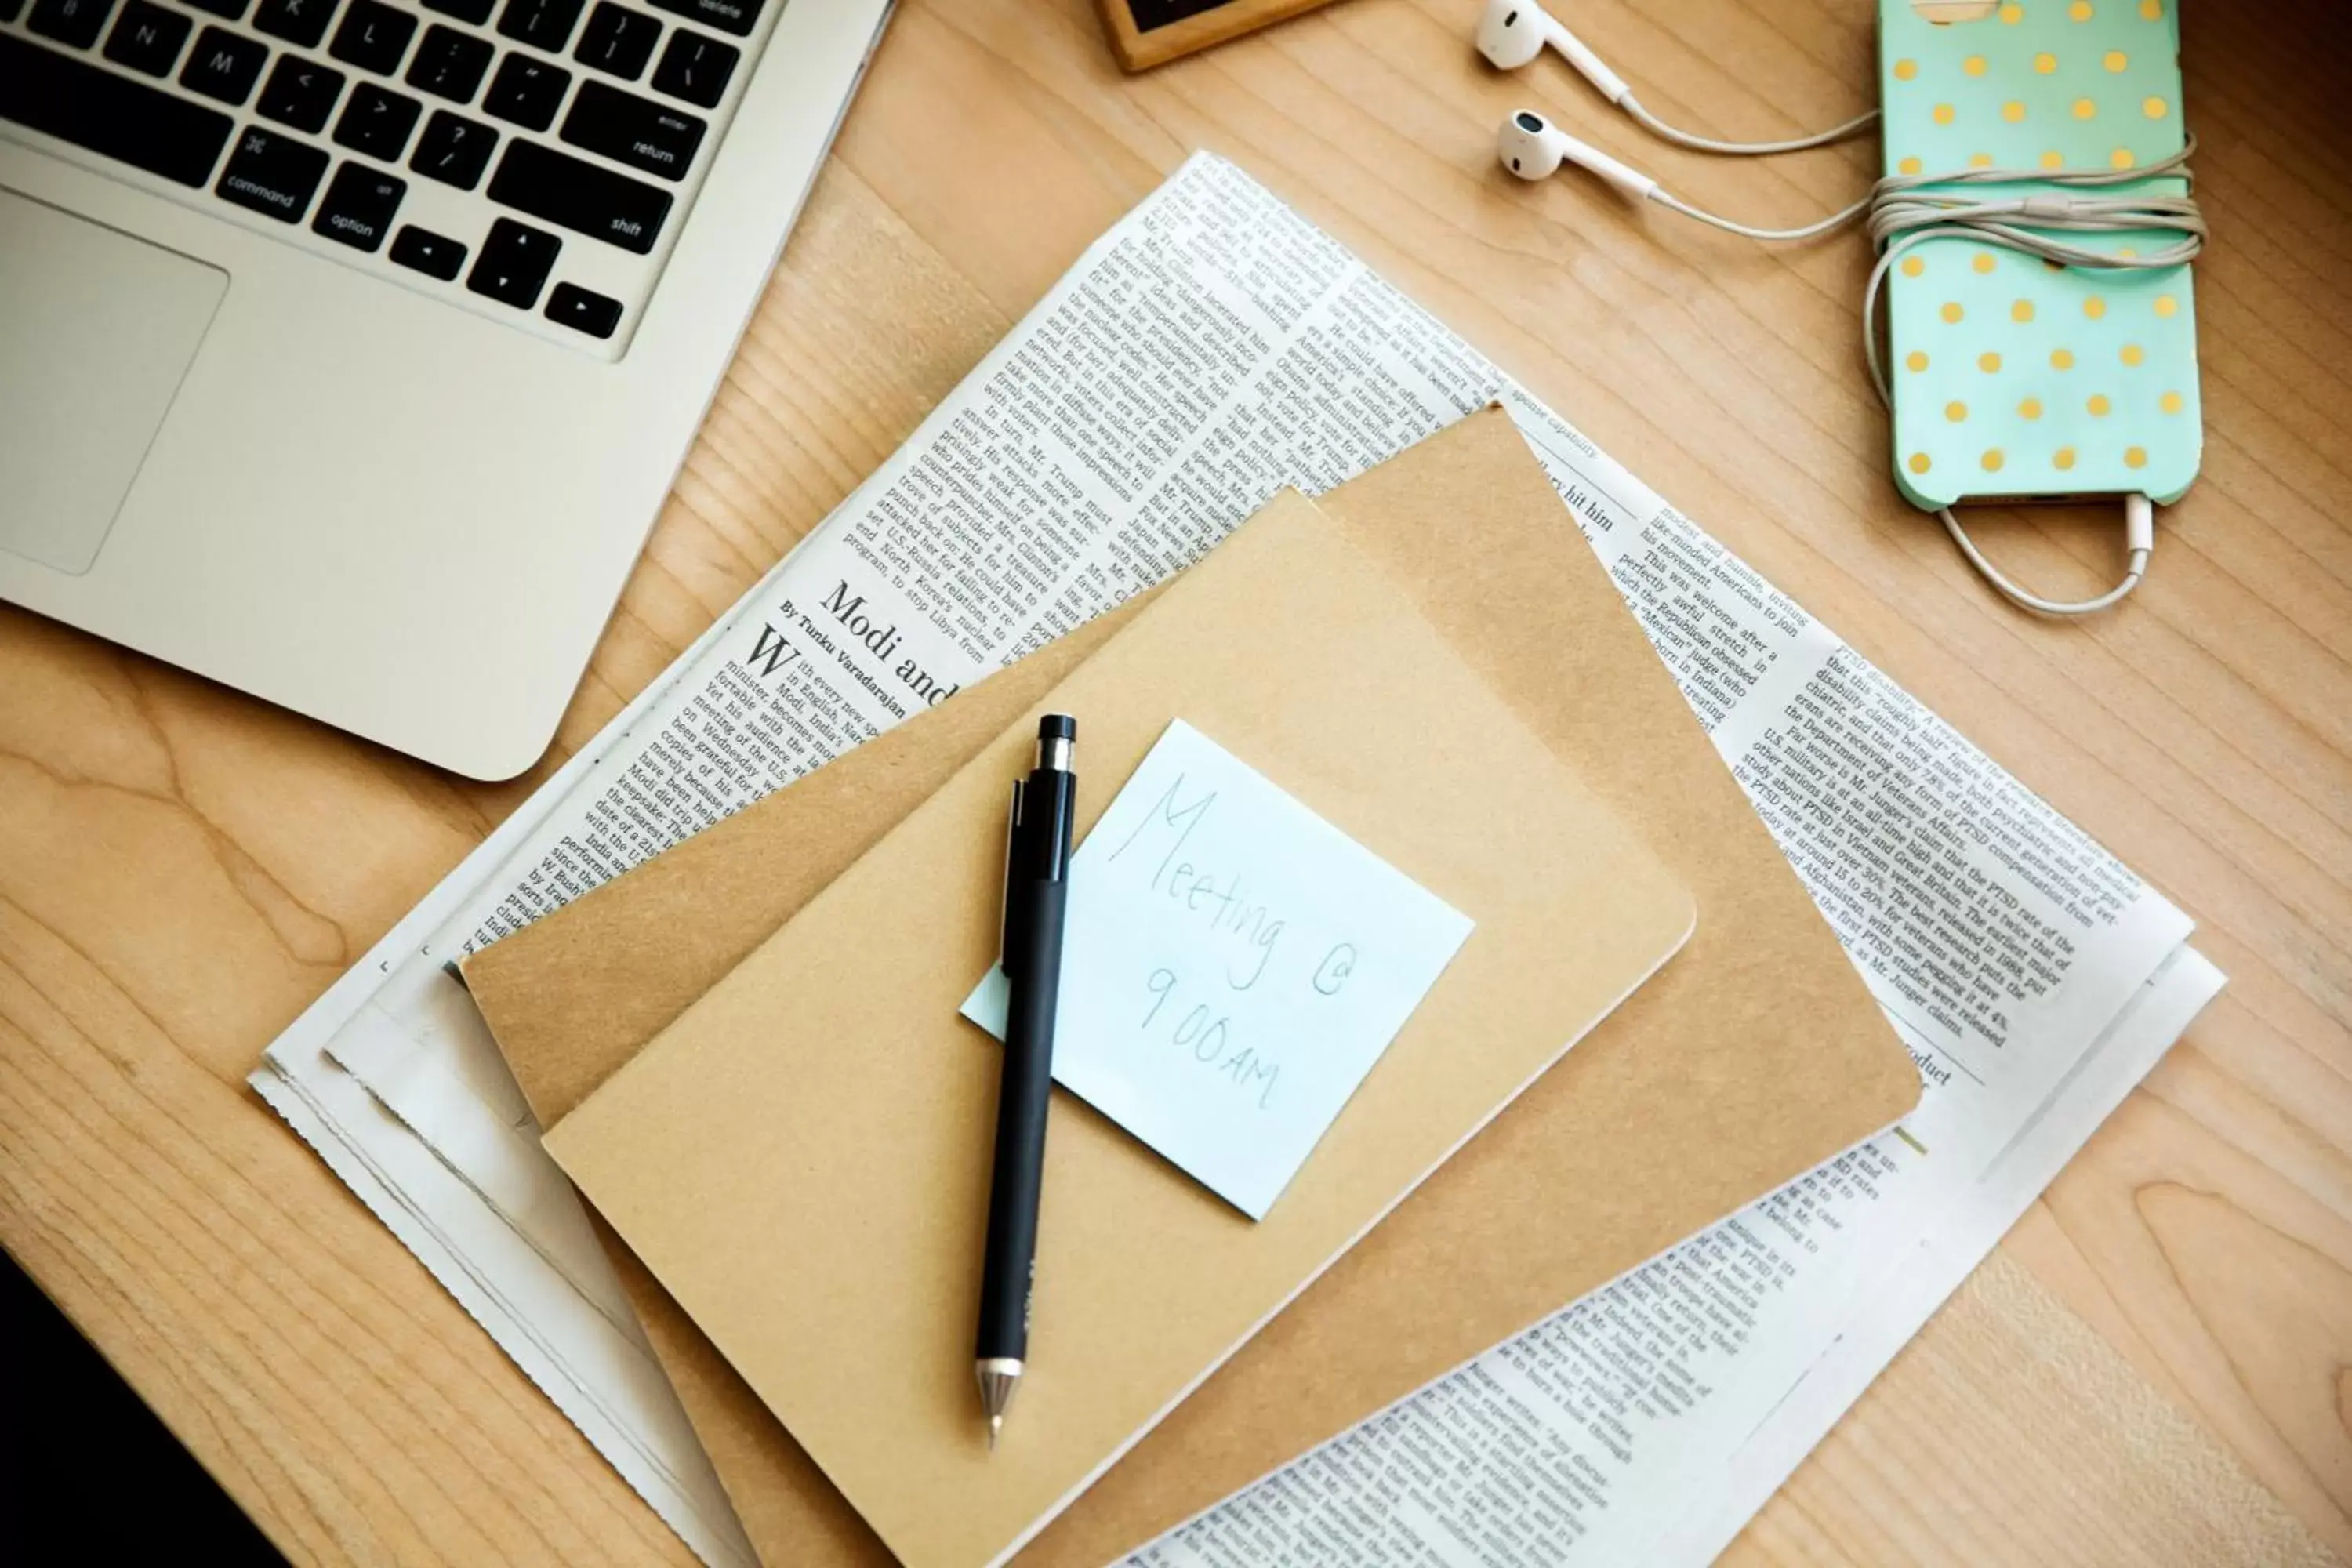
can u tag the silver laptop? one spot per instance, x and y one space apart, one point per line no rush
348 348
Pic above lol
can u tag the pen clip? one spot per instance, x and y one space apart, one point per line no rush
1004 913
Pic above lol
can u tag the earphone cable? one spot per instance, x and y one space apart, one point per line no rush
1838 219
1901 217
1657 127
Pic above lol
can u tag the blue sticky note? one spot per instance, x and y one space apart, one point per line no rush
1234 965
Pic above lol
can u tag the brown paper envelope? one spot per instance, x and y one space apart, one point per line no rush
1758 1044
802 1156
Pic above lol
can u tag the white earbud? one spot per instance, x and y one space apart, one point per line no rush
1533 148
1513 33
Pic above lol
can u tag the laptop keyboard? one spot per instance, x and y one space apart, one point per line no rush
528 160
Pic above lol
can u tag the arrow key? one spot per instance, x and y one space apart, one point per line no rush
514 264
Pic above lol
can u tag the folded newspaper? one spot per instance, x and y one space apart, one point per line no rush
1212 348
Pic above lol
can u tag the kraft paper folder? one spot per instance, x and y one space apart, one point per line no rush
1757 1054
801 1157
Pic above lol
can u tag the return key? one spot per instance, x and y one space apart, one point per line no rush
632 130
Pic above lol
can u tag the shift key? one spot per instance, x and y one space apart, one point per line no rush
632 130
574 193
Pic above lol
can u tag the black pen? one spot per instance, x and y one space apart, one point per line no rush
1036 893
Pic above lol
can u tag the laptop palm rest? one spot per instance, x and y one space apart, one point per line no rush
97 332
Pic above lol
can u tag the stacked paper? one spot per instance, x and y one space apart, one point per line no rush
1298 366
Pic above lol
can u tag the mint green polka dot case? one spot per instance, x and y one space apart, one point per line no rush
2013 378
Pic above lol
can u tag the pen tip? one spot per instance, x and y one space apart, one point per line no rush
995 1427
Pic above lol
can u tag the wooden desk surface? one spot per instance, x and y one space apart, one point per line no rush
2153 1367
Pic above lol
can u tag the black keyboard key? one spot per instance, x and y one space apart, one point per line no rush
454 150
583 310
696 68
422 250
736 17
377 122
475 11
147 38
526 91
632 129
223 66
301 23
542 24
103 112
516 260
272 173
359 206
450 64
617 40
229 10
299 92
373 37
74 22
573 194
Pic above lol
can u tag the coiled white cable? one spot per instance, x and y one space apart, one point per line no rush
1908 210
1901 218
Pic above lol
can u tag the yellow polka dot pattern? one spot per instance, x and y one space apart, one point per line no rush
2078 72
2085 362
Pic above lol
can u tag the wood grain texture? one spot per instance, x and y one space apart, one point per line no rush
2154 1368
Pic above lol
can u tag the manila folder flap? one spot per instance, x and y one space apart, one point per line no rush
801 1157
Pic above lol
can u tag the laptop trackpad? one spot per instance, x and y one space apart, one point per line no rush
97 328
